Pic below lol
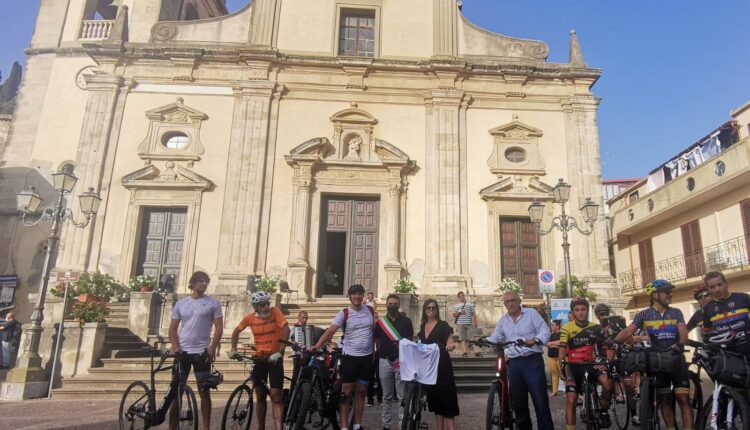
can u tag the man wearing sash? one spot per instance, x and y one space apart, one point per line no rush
388 331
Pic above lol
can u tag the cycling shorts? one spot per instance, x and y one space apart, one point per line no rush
679 379
576 372
356 369
266 371
200 363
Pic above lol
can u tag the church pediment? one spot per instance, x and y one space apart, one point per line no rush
517 187
516 130
177 113
317 147
171 177
353 115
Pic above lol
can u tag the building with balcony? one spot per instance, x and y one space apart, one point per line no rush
691 215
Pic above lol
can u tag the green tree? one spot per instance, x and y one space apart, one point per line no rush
580 289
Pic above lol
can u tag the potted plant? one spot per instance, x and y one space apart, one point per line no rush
142 283
580 289
509 284
269 285
404 286
96 287
85 312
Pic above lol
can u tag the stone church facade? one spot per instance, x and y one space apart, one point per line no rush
327 142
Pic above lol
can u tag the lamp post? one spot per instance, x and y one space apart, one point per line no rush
29 371
565 222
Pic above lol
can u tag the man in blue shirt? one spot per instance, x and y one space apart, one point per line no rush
525 363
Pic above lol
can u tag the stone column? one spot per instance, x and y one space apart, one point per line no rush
264 23
589 253
93 151
445 30
393 268
299 266
248 178
446 248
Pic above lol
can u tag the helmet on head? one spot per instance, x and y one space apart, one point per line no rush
658 286
355 289
702 288
260 297
579 301
601 308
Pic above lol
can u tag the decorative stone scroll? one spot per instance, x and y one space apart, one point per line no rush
174 118
516 150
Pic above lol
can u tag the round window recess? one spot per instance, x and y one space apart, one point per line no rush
175 140
690 184
515 155
720 168
650 205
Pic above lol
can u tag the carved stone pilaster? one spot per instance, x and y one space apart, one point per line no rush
249 173
445 33
94 151
446 189
264 23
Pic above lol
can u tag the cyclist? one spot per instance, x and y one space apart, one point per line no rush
582 341
703 297
727 312
666 329
269 327
194 316
357 322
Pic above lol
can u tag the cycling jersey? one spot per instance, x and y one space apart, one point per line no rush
661 327
581 342
731 314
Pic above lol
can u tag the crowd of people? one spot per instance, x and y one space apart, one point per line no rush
370 349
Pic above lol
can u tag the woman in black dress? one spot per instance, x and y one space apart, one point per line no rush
442 398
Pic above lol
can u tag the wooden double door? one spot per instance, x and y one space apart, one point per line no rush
520 253
161 242
348 252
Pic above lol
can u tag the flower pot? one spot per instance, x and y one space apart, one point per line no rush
145 289
90 298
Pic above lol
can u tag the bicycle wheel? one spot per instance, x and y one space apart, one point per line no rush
648 412
134 407
238 412
618 409
741 416
696 393
590 402
300 416
411 407
497 416
187 412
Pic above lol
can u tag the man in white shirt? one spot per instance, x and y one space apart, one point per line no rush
357 322
194 316
465 316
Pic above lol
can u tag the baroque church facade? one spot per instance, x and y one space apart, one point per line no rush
328 143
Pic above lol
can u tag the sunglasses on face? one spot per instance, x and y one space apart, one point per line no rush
700 296
602 315
431 308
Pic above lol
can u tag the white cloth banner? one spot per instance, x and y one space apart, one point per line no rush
418 361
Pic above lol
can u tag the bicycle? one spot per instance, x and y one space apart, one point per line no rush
499 412
415 402
238 412
591 406
726 405
619 408
316 391
142 410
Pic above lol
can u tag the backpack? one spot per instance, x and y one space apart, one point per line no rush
346 318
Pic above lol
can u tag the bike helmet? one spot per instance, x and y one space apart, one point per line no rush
355 288
212 380
260 297
579 301
658 286
699 290
601 308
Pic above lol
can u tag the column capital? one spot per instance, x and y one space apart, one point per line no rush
263 89
446 97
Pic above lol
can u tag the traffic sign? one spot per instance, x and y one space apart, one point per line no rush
546 281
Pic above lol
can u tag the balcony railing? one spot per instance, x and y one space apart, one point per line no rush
96 29
725 255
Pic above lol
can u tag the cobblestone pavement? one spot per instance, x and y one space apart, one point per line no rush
102 414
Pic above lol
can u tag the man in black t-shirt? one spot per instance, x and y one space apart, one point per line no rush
727 312
703 297
388 331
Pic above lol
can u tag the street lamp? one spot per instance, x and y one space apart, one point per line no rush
30 368
565 222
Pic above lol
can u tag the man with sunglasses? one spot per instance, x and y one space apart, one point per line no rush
703 297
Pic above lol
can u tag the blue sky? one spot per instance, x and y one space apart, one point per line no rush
672 69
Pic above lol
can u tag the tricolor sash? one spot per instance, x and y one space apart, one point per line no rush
389 330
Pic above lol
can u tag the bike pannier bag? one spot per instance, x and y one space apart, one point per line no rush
730 369
664 361
634 361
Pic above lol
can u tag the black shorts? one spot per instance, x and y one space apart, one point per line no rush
576 372
273 373
679 379
356 369
200 363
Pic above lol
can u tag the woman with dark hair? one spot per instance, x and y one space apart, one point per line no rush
442 398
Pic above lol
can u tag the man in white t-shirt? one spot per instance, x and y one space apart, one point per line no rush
194 316
357 322
466 323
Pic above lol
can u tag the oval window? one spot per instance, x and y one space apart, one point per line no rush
720 168
175 140
515 155
690 184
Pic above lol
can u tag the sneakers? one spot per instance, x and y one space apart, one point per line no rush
635 420
604 421
369 403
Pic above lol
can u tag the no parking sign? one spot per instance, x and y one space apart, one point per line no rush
546 280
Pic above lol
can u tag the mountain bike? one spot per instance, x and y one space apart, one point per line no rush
317 392
726 407
591 404
138 405
238 412
499 412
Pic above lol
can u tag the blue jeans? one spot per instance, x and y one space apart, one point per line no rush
526 376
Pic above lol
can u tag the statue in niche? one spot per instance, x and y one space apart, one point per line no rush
355 143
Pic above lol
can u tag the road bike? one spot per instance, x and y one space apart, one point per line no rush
138 405
726 407
499 412
619 408
592 409
317 392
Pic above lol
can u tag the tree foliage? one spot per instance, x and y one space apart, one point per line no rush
580 288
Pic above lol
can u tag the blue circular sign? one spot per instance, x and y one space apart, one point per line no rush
547 277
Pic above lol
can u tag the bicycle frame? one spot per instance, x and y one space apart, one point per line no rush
158 416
